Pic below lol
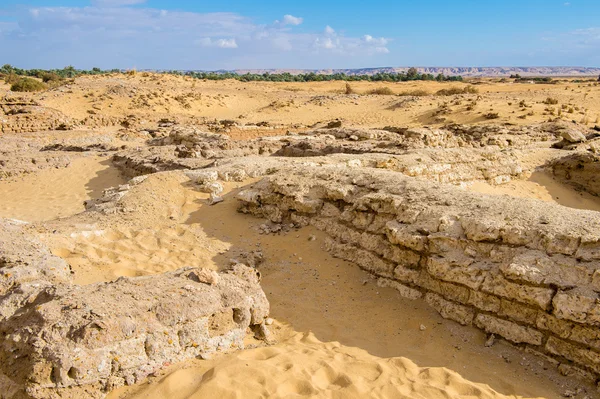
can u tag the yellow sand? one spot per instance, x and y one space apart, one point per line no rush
544 187
106 255
55 193
305 367
193 100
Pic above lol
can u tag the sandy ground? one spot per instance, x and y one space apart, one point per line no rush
337 334
151 97
541 186
56 193
303 366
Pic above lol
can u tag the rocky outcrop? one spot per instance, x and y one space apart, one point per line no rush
456 154
60 338
20 115
581 170
531 278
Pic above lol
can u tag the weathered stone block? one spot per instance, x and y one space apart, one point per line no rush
559 327
498 285
538 268
579 305
405 235
362 220
365 259
518 312
405 291
330 210
484 301
124 330
450 310
482 229
509 330
406 275
561 243
589 248
569 370
585 357
458 269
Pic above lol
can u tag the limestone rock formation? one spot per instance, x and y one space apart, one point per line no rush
59 336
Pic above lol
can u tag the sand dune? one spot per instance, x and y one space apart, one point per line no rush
305 367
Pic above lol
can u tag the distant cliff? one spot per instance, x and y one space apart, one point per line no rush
463 71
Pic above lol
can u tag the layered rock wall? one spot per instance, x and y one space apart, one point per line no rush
521 269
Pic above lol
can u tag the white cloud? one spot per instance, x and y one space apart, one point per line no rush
226 43
578 38
119 37
379 41
342 45
326 43
291 20
221 43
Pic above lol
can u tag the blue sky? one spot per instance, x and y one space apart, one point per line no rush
210 35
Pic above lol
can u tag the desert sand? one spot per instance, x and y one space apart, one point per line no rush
336 333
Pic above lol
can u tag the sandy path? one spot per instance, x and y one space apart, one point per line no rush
56 193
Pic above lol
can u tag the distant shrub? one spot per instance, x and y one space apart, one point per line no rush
27 84
11 78
551 101
385 91
457 90
131 72
450 92
49 77
491 115
415 93
349 89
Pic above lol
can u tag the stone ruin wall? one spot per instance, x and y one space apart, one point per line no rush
532 279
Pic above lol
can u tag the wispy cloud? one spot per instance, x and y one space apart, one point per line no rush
221 43
112 33
585 37
291 20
